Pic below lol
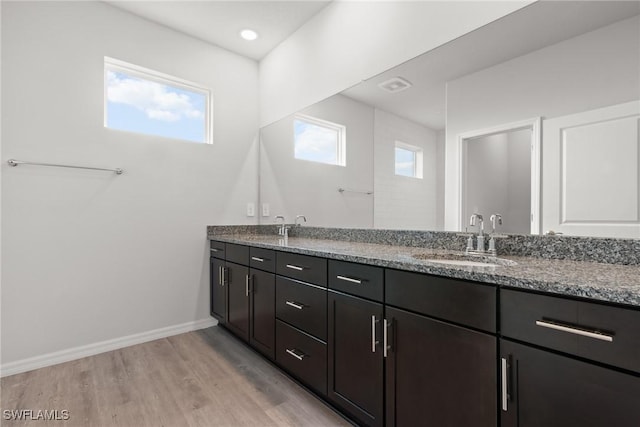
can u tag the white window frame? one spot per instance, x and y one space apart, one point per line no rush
112 64
418 165
341 130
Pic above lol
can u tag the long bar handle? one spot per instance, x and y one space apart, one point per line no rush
220 275
294 305
296 355
246 285
295 267
215 250
505 391
374 342
224 279
349 279
385 337
573 330
14 162
255 258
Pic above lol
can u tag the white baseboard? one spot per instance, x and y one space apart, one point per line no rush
62 356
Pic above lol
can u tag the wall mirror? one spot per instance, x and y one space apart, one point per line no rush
535 116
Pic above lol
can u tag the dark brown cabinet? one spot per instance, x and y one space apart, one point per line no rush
438 374
356 365
217 294
541 388
262 293
237 283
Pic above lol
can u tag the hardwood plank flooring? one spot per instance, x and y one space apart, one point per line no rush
201 378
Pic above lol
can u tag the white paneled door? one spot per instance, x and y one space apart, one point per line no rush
590 172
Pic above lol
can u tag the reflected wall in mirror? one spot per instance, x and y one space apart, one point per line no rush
402 165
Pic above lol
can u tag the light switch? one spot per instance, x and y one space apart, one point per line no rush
265 209
251 209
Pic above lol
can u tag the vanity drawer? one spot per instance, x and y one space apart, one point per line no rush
357 279
302 267
302 355
217 249
594 331
238 254
263 259
466 303
302 305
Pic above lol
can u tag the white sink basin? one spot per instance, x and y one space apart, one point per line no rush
464 263
464 260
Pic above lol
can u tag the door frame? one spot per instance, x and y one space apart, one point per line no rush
535 124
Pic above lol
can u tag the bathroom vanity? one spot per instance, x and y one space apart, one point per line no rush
390 336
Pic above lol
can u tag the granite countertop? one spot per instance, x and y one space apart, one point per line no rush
598 281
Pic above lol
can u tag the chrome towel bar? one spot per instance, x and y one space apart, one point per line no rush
13 162
347 190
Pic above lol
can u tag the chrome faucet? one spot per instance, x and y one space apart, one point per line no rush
475 218
495 219
298 217
281 229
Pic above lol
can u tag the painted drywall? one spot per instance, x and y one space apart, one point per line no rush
348 42
89 256
593 70
299 187
498 180
403 202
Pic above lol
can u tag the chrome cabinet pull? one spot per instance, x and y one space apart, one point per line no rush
349 279
505 395
294 267
223 271
255 258
215 250
294 305
246 285
374 342
573 330
220 275
385 337
296 355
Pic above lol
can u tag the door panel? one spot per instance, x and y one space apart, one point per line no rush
263 316
238 300
218 303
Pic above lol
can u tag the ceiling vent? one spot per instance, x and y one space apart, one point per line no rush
394 85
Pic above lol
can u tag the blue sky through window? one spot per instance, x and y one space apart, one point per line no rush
315 142
139 105
405 162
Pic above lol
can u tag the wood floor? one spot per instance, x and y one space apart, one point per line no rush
202 378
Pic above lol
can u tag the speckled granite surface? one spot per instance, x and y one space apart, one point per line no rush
605 282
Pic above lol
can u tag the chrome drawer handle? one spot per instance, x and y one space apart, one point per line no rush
505 395
296 355
572 330
295 267
215 250
349 279
255 258
374 342
294 305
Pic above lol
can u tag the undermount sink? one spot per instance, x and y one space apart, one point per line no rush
464 260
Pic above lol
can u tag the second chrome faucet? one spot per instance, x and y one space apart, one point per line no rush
480 248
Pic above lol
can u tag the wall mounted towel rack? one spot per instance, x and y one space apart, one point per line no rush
347 190
14 162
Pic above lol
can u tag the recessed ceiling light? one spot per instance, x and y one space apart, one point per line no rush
248 34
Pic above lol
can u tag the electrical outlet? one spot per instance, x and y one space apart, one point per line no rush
251 209
265 209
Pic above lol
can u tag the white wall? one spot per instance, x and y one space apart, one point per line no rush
298 187
90 256
403 202
348 42
593 70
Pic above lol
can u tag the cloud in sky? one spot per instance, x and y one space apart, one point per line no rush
315 143
157 101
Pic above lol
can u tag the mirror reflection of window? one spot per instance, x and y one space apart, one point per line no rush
408 160
319 140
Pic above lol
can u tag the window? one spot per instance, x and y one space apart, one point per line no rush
408 160
319 141
145 101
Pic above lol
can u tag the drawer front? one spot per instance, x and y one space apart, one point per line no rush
594 331
302 267
468 304
217 249
357 279
262 259
302 355
238 254
303 306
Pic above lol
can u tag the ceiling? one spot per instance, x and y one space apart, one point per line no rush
219 22
534 27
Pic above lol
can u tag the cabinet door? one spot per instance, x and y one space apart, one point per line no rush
262 293
540 388
237 277
439 374
355 357
217 288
